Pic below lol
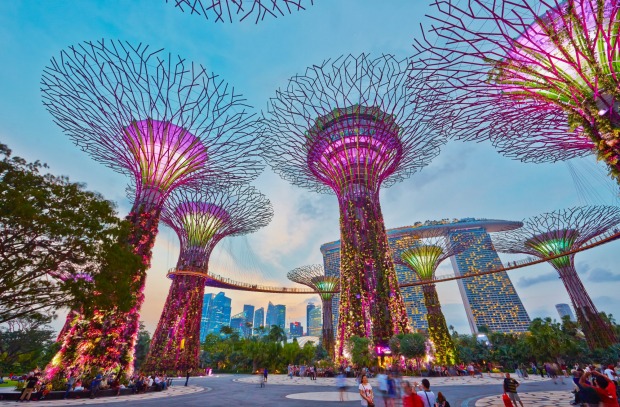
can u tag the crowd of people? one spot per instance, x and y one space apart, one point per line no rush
34 386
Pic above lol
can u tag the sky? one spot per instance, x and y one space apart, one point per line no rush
465 180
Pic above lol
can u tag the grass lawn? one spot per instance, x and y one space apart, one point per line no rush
9 383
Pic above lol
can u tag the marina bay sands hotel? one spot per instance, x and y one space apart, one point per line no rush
490 300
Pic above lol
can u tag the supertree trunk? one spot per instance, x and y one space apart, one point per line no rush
598 333
176 342
107 339
328 328
370 301
445 351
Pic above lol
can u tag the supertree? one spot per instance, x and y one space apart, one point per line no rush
227 10
423 256
326 286
560 231
349 126
200 218
161 120
538 78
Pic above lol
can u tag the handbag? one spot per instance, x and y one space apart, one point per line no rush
371 404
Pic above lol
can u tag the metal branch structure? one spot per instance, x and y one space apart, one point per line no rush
423 257
560 231
349 126
222 11
314 277
201 219
539 78
161 120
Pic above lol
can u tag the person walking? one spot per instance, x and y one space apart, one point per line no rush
368 398
428 397
510 388
341 383
94 385
265 374
70 383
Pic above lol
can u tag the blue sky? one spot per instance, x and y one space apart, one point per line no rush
466 180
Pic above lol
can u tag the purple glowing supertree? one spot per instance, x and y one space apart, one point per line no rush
163 121
326 286
227 10
560 231
423 256
200 218
349 126
537 78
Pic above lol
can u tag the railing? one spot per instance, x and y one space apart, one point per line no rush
214 280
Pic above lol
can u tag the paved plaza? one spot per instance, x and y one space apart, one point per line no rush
280 390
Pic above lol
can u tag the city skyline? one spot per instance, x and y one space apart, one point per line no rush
466 179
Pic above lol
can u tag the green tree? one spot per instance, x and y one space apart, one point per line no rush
359 348
413 346
276 334
26 343
55 239
142 346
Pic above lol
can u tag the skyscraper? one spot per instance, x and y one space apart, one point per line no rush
276 315
248 313
309 308
565 311
315 321
237 323
296 329
489 300
259 319
217 314
204 319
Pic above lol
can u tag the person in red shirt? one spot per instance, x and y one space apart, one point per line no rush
411 398
605 388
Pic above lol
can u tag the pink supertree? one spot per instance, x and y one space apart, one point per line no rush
227 10
557 232
200 218
537 78
350 126
161 120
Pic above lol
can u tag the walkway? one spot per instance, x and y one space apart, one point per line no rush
538 399
173 391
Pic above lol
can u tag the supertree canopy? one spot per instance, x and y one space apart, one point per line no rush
539 78
424 255
239 10
200 218
161 120
560 231
349 126
314 277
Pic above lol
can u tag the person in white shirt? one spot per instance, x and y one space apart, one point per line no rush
366 392
427 396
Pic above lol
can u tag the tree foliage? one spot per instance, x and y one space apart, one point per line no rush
59 243
142 346
26 343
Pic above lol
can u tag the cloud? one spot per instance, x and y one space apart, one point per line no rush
602 275
541 278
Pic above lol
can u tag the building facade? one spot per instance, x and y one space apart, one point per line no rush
215 315
259 319
565 311
489 300
248 314
204 319
237 323
296 330
309 308
315 321
276 315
